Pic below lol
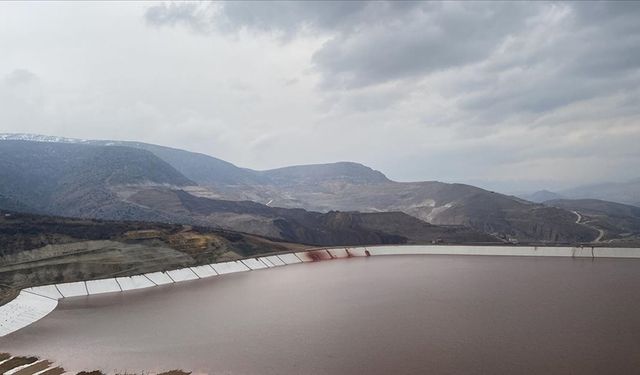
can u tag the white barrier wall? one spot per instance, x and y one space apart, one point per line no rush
314 255
34 303
609 252
357 251
338 253
574 252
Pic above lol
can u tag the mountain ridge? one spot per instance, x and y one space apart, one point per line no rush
76 179
342 186
541 196
627 192
201 166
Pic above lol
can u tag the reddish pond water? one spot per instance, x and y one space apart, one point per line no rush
377 315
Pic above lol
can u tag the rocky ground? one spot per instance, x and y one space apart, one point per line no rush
39 250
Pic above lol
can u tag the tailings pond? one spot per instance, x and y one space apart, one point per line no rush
375 315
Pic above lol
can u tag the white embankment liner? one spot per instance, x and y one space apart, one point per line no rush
484 250
289 258
314 255
357 251
204 271
612 252
158 278
266 262
338 253
46 291
254 264
34 303
275 260
134 282
229 267
103 286
23 310
182 274
73 289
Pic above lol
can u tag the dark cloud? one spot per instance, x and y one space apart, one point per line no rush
378 42
289 16
574 58
283 17
193 15
372 42
431 38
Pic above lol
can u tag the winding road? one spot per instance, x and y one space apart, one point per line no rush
579 221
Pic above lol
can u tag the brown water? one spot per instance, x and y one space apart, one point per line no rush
377 315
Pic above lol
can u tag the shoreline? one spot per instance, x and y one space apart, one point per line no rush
32 304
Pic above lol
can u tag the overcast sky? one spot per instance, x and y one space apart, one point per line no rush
509 96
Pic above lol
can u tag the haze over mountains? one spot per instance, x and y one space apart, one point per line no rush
114 182
627 192
136 181
622 192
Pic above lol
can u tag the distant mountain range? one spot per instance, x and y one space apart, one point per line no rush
620 192
541 196
115 182
138 181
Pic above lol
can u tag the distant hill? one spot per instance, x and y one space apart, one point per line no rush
541 196
14 205
87 180
340 186
620 192
298 225
76 179
319 173
505 217
200 168
619 222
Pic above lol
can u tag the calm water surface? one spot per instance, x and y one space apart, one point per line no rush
378 315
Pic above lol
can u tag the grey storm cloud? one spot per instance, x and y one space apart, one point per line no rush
371 42
286 17
192 15
590 51
433 37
